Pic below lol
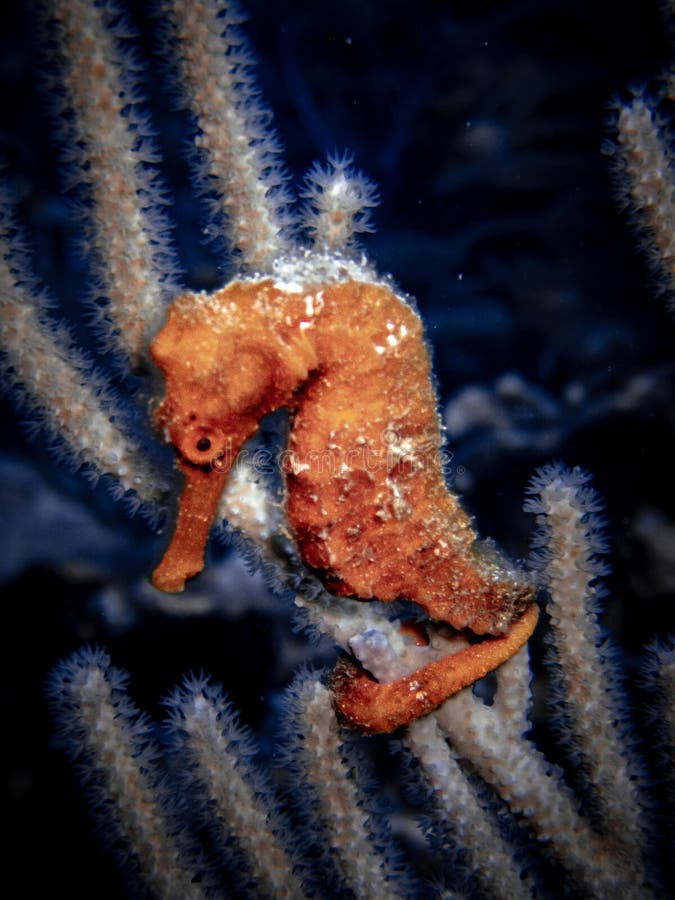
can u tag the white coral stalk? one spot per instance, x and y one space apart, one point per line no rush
650 187
104 730
113 156
240 169
459 810
658 680
568 544
662 681
492 739
68 398
329 780
237 798
247 504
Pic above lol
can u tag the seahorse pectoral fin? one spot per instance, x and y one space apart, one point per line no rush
375 707
184 557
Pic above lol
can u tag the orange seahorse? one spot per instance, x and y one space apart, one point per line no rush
367 499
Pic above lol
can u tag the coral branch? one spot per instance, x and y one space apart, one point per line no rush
462 815
356 843
59 384
648 166
115 743
239 156
235 798
113 157
567 547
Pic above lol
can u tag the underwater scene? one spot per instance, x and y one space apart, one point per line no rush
493 164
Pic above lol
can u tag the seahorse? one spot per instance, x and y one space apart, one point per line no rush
368 501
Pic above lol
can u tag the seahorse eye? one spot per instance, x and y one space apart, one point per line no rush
203 444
